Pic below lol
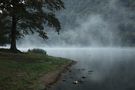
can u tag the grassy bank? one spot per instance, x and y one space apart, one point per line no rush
23 71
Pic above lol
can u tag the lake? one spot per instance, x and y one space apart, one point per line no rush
97 68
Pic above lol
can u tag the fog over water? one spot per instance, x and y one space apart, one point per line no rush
85 23
104 68
90 35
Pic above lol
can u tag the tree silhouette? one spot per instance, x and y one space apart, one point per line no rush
29 16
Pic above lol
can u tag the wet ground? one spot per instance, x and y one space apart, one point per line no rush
97 69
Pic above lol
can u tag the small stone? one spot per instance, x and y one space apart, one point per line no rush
76 82
83 77
64 80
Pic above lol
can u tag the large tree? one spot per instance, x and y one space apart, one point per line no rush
29 16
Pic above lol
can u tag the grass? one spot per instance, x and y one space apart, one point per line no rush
22 71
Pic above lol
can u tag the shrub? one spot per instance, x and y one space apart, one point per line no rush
38 51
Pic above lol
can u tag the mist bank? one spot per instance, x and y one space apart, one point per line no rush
104 69
55 50
90 23
70 48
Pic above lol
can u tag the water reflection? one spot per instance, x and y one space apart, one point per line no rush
104 68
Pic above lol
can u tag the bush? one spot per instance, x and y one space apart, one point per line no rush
38 51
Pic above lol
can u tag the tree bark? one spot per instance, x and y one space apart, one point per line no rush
13 34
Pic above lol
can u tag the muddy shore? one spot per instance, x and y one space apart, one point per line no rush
52 77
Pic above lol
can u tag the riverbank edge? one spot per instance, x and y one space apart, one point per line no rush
14 60
53 77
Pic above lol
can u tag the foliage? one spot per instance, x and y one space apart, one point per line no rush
30 16
38 51
4 30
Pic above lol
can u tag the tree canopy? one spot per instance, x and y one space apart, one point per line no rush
27 17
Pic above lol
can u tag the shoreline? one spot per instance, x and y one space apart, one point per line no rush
30 71
53 77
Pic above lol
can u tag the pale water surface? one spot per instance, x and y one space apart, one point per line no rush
104 68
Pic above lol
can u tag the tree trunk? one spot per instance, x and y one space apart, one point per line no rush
13 34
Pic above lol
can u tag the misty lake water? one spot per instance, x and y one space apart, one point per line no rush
104 68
